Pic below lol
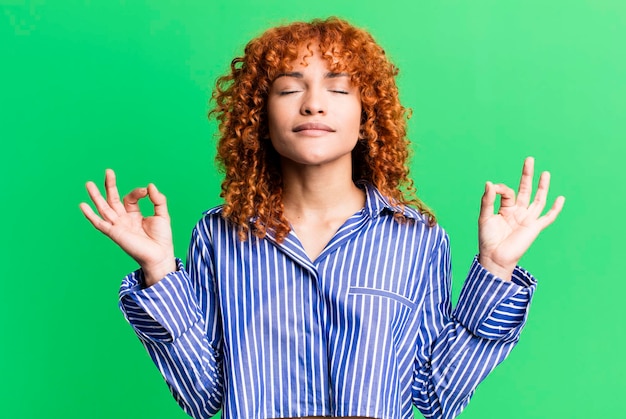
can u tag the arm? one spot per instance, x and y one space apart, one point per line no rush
177 321
457 349
173 312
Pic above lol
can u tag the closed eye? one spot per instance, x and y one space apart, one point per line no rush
343 92
287 92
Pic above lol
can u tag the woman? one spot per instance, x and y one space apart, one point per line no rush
322 286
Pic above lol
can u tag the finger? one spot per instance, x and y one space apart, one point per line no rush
113 196
93 218
507 195
526 182
541 196
488 201
551 215
159 201
131 201
103 207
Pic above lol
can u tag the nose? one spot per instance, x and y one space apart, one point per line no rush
313 104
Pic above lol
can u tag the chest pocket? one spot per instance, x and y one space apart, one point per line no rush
389 283
380 313
356 290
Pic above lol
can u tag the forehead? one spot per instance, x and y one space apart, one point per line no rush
334 60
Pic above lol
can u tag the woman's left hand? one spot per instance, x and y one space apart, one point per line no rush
505 236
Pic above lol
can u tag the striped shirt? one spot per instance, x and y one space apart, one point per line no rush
258 330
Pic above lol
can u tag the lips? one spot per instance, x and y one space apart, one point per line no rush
313 126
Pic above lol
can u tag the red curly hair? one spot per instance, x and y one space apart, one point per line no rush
252 187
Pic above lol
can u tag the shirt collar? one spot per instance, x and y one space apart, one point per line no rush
376 203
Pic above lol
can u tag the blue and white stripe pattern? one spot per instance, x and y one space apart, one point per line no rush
258 330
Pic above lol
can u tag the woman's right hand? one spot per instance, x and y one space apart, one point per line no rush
148 240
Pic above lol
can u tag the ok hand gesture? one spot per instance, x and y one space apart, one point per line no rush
148 240
506 235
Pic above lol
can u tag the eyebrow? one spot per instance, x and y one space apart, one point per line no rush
299 75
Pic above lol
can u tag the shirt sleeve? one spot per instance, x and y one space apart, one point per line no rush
457 349
178 323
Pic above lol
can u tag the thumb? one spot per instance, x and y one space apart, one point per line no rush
488 201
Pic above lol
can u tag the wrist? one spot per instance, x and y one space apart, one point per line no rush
504 272
155 272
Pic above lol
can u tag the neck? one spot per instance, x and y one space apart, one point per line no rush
320 192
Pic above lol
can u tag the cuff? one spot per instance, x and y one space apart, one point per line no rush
492 308
162 312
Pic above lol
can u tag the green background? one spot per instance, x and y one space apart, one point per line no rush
86 85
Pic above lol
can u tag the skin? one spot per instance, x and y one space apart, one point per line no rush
148 240
314 115
314 122
319 194
505 236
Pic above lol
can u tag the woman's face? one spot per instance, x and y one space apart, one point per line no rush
314 114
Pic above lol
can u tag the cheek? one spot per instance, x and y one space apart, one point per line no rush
271 119
275 114
274 128
357 117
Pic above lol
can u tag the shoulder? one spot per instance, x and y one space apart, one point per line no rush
416 215
412 230
212 222
420 225
213 211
